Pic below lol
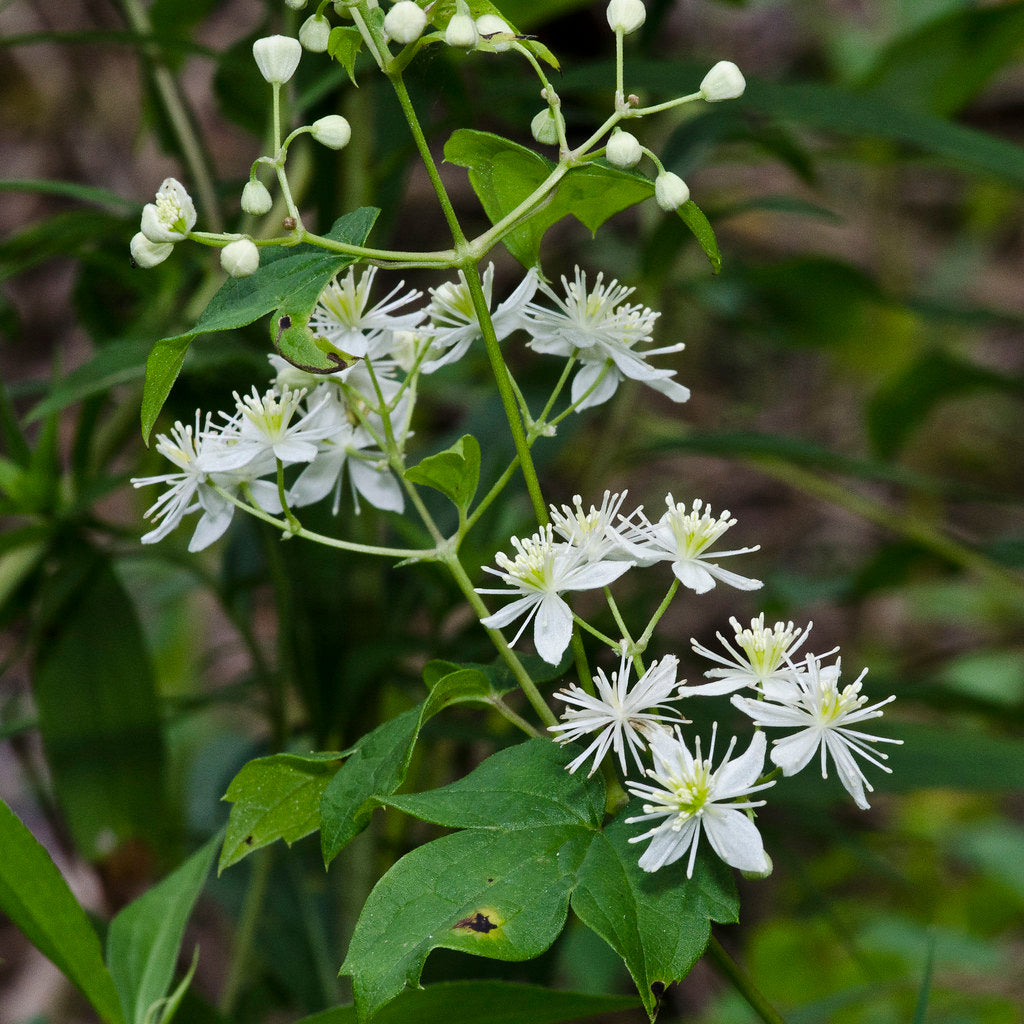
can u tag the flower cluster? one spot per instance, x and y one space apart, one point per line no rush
688 795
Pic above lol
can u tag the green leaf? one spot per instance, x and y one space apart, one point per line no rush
503 174
454 472
145 938
288 280
276 797
34 895
381 758
72 190
344 44
99 717
658 923
943 65
496 1002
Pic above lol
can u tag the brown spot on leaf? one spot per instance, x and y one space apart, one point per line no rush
248 840
478 922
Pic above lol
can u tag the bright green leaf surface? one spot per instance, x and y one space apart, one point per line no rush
98 712
145 938
380 760
530 829
343 45
288 281
276 797
494 893
454 472
34 895
658 923
496 1002
503 174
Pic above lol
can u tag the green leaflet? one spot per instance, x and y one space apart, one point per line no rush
289 281
379 761
531 845
496 1002
503 174
145 938
454 472
38 901
276 797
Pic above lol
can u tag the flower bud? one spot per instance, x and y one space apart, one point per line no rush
544 128
240 258
148 254
405 22
626 15
461 30
623 149
172 216
724 81
492 25
670 191
315 34
277 57
256 198
332 131
296 5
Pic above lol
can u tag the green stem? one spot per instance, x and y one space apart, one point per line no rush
645 638
615 645
746 988
245 937
514 717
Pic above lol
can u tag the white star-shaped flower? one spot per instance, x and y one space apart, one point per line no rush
454 325
693 797
342 318
172 216
594 533
823 713
619 714
684 538
603 332
540 572
765 663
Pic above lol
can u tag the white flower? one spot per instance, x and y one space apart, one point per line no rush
267 425
623 149
670 191
332 131
341 316
724 81
405 22
823 713
540 572
172 216
148 254
765 664
461 30
240 258
690 796
625 15
593 533
620 715
683 538
454 323
277 57
603 332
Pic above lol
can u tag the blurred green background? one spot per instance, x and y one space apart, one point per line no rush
857 371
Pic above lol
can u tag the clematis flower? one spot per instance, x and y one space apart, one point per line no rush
454 325
540 572
593 533
765 664
620 715
172 216
691 797
684 538
823 713
342 318
603 333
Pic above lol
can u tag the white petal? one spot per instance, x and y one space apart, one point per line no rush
211 527
501 618
737 776
792 753
318 478
667 846
552 629
379 488
734 837
694 576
